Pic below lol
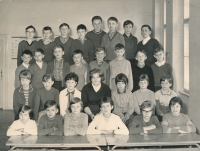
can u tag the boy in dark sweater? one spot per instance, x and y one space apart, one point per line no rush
96 35
28 44
148 44
112 38
51 123
130 41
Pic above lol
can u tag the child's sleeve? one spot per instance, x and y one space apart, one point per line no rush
15 101
122 129
108 92
84 97
103 42
81 129
12 130
130 77
67 129
57 96
116 110
85 76
108 76
130 104
59 126
165 126
17 81
158 129
158 111
93 126
49 68
36 105
90 52
136 105
122 41
41 128
19 53
32 128
133 126
62 101
151 80
189 126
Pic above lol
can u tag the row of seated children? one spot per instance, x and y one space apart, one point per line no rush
60 69
76 122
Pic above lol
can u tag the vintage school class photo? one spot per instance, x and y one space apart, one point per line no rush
107 75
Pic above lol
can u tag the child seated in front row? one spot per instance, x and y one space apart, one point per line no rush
46 93
71 81
75 122
107 122
143 93
120 65
122 98
176 122
146 122
24 125
51 123
163 96
80 69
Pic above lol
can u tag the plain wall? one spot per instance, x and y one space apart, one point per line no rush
16 15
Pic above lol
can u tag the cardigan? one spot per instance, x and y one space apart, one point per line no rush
130 46
24 45
64 102
30 127
65 70
110 44
37 74
170 121
149 48
68 49
91 98
75 124
46 125
137 71
48 50
136 125
19 99
114 123
42 96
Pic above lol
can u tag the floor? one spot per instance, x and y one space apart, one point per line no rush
6 119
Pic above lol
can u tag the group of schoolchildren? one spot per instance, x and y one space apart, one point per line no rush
100 83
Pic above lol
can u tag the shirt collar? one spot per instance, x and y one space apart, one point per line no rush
168 93
64 39
82 40
144 41
140 65
21 89
125 35
121 92
160 63
97 32
58 61
70 92
25 65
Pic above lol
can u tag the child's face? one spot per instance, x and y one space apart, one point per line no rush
76 108
38 56
141 57
96 79
128 28
77 58
58 53
47 34
100 55
143 84
165 85
120 53
145 32
176 109
97 24
64 30
48 84
159 56
30 33
51 111
25 81
71 84
112 25
24 117
147 113
26 58
81 33
121 86
106 108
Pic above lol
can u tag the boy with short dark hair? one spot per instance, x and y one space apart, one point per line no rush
46 93
66 42
28 44
25 94
58 67
26 57
141 68
148 44
112 38
130 41
84 44
160 68
51 123
47 44
96 35
99 63
38 69
80 69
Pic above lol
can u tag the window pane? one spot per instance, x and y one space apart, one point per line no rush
186 73
186 9
186 38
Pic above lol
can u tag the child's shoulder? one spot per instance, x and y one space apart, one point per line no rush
151 92
58 117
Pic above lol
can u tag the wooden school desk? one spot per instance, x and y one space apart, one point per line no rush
158 140
89 141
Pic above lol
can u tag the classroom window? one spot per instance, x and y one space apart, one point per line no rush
186 45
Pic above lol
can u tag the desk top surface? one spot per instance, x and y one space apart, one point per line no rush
150 139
